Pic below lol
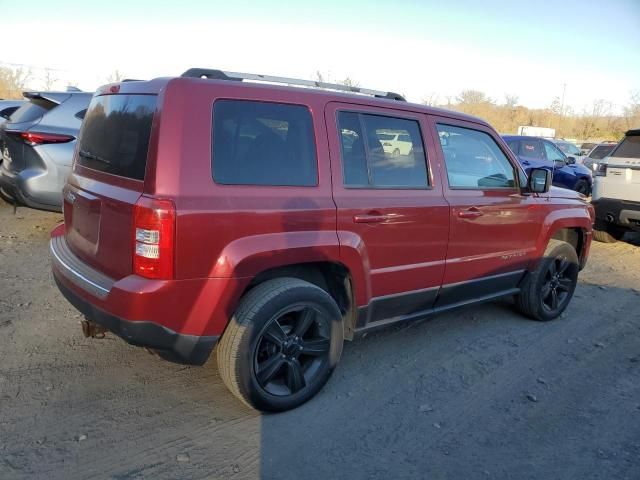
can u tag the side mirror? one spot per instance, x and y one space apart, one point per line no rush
539 180
571 160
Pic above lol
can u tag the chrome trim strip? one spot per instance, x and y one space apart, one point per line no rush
77 278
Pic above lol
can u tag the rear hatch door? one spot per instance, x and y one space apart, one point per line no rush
107 180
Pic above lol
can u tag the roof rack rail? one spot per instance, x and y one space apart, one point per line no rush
212 74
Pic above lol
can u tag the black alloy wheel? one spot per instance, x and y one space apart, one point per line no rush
557 285
293 350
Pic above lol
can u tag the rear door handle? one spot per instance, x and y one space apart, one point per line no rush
473 212
371 218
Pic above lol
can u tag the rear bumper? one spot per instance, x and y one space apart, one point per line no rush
180 319
172 346
22 190
622 213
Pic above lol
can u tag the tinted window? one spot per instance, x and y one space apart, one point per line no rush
553 154
7 112
629 148
474 160
257 143
32 110
115 134
513 145
601 151
381 151
531 149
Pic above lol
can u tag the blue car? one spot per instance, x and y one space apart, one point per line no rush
534 152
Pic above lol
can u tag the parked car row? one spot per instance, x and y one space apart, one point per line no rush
273 223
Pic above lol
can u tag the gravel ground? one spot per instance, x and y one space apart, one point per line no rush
479 393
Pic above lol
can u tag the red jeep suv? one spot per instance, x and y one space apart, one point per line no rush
274 222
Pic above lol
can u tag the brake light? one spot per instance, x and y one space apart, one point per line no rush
601 171
39 138
154 238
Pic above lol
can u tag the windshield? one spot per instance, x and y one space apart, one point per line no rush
601 151
568 148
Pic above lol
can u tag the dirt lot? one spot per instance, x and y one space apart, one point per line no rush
481 393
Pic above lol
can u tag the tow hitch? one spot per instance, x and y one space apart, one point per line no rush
92 329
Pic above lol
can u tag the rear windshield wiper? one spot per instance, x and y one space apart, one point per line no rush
92 156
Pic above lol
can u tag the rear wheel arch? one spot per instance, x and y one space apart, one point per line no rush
332 277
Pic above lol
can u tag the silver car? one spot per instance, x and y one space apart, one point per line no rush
38 141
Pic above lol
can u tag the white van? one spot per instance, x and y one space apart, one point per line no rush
616 190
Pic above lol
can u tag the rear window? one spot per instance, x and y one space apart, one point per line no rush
531 149
115 134
259 143
601 151
32 110
629 148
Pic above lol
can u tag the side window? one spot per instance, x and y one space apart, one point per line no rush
259 143
474 160
380 151
531 148
553 154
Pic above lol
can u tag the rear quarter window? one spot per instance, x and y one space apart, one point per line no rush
115 134
260 143
32 110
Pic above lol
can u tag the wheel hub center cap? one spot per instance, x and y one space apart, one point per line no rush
291 347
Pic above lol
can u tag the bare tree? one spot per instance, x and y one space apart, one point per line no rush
472 97
632 111
348 82
431 100
13 81
49 79
115 76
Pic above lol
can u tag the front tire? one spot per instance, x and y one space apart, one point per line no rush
546 292
281 345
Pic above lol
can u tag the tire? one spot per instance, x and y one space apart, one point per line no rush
261 357
582 186
396 153
610 235
536 296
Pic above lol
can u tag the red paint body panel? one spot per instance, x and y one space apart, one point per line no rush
226 235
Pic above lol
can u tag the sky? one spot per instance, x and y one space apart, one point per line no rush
422 49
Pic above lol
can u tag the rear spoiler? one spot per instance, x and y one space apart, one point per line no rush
53 97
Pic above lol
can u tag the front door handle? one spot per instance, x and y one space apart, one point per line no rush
473 212
371 218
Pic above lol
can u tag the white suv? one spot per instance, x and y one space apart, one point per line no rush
616 190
